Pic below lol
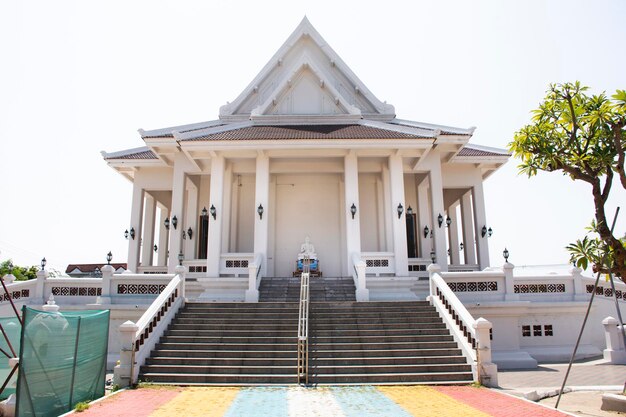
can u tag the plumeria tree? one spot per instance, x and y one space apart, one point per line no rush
581 136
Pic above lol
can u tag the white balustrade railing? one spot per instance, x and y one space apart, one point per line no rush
359 278
417 267
463 268
254 278
379 263
66 289
18 291
235 264
477 286
130 286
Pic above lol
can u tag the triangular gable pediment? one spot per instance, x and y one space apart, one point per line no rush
306 77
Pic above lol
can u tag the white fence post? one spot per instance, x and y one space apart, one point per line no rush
615 352
39 287
107 274
487 371
579 289
432 270
252 293
362 293
182 271
122 371
509 283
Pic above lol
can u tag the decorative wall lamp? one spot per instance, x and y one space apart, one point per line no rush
174 221
484 231
409 211
400 210
181 257
126 234
156 248
260 211
353 210
213 211
461 246
440 220
448 221
204 212
43 263
505 253
433 257
189 233
426 230
109 258
167 223
489 232
132 233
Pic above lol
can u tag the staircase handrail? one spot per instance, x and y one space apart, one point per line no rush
155 320
303 324
458 319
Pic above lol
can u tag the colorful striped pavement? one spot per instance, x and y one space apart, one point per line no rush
348 401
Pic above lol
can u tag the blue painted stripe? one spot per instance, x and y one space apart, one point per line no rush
366 401
259 401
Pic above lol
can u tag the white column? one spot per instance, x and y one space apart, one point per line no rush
147 242
480 220
135 222
436 200
468 229
262 197
178 205
424 219
387 213
163 237
351 196
191 220
396 182
453 235
215 225
229 209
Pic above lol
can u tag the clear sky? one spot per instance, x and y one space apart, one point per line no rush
78 77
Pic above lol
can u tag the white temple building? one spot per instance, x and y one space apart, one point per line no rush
308 150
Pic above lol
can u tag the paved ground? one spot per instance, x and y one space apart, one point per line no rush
349 401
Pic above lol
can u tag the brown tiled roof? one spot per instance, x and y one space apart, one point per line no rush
91 267
137 155
307 132
171 134
479 152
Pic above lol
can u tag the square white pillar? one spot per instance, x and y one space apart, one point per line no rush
480 220
215 225
351 194
136 214
178 207
453 235
147 242
396 188
436 200
191 220
468 229
424 219
262 198
163 237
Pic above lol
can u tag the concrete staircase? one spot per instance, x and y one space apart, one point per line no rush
350 342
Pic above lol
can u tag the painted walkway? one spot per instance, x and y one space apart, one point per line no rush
348 401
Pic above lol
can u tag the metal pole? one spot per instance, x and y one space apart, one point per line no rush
70 405
582 328
10 300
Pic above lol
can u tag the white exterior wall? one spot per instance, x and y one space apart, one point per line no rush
370 209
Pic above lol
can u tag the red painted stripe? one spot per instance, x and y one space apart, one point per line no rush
131 403
497 404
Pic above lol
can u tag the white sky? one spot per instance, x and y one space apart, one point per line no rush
77 77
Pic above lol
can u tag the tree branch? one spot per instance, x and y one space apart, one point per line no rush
607 184
618 139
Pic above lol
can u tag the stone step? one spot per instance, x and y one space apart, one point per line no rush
275 347
286 332
237 369
367 368
219 379
222 353
448 378
316 340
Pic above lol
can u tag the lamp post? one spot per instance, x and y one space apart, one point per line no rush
43 263
505 253
181 257
433 256
109 258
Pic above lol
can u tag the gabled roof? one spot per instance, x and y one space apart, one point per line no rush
479 150
136 153
305 66
85 268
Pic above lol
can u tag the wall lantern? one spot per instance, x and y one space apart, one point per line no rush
167 223
409 211
448 221
174 221
189 233
109 258
426 230
204 212
433 257
126 234
505 253
440 220
132 233
353 210
483 231
489 232
156 248
213 211
260 211
400 210
43 263
461 246
181 257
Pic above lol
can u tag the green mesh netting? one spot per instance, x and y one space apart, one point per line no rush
13 329
62 360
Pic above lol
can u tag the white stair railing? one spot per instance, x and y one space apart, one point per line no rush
303 325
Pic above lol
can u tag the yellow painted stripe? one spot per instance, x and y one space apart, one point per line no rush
424 401
198 402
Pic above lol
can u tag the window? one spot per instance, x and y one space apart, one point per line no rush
525 331
537 330
547 330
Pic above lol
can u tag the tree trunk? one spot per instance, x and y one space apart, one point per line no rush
619 254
